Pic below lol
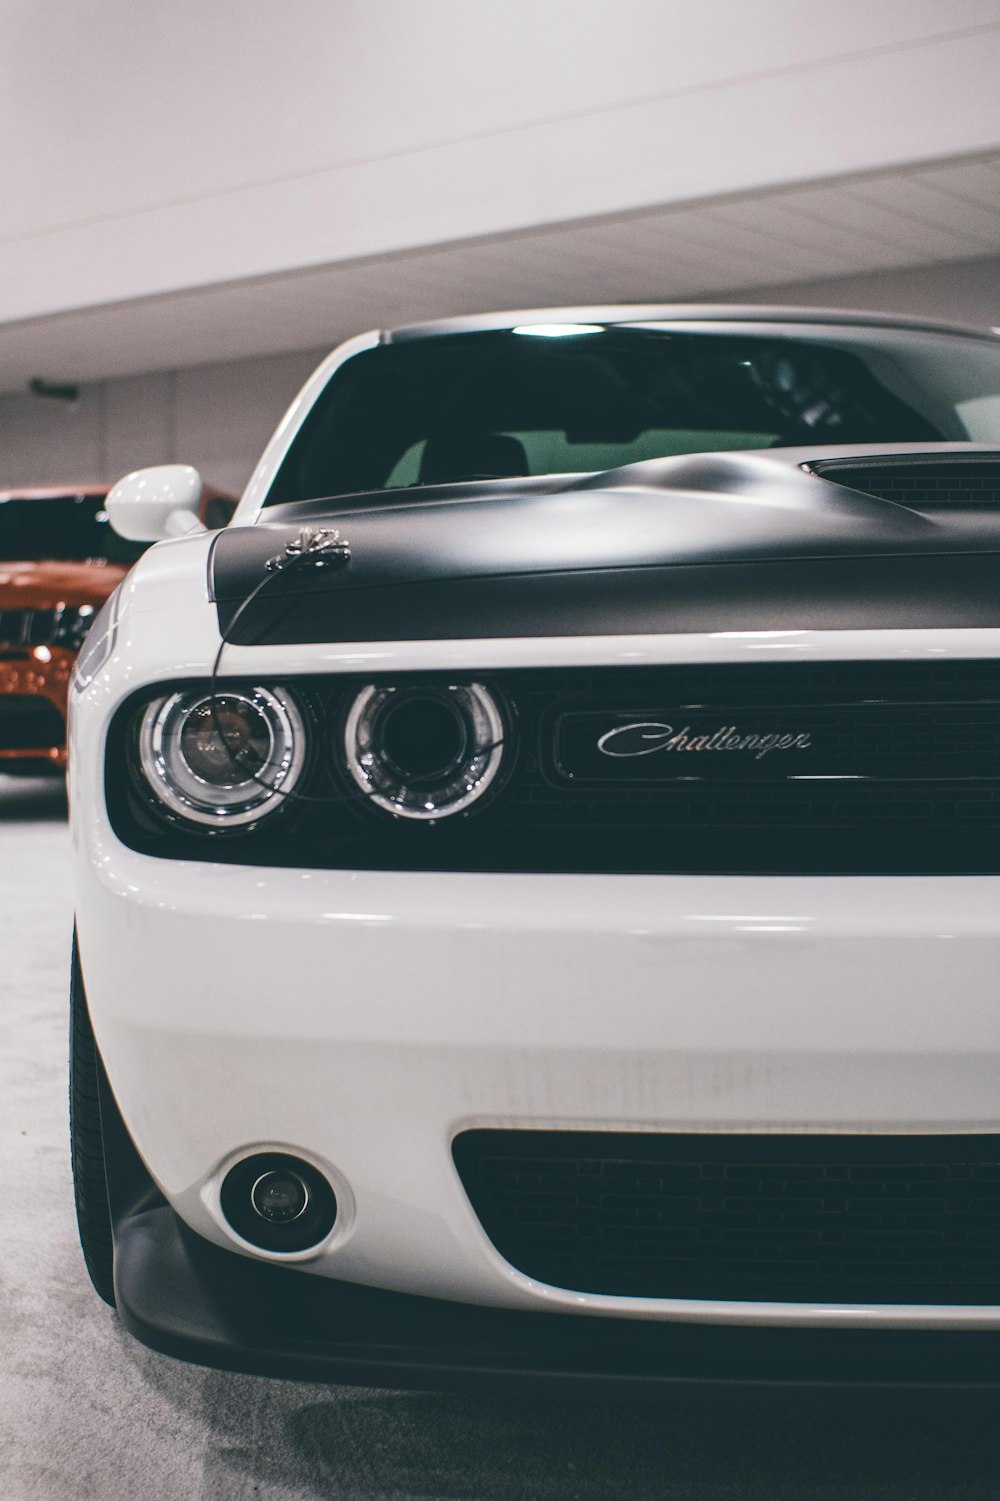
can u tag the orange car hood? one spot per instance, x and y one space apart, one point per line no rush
40 586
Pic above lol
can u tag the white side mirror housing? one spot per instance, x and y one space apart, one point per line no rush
150 505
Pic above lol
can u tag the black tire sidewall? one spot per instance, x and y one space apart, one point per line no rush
90 1183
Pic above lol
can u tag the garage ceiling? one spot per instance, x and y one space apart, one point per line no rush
875 222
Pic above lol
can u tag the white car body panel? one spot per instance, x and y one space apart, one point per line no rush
266 995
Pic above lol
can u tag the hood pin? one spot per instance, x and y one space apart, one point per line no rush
317 547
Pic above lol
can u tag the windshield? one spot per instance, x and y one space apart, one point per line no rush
488 405
61 529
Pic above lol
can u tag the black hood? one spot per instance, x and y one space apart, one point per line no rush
805 538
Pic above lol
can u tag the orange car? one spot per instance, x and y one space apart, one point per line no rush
59 561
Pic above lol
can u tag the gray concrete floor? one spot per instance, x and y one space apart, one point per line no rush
85 1412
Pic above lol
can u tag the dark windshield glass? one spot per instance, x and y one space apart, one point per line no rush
61 528
473 406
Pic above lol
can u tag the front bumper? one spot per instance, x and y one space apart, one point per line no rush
362 1020
187 1298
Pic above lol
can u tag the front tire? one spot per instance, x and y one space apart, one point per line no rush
90 1183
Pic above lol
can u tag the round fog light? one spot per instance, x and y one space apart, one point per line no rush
279 1197
278 1202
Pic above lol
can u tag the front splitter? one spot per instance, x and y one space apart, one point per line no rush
187 1298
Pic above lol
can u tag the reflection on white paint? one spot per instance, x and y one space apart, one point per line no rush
742 917
771 928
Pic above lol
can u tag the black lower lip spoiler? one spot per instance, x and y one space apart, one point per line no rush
189 1299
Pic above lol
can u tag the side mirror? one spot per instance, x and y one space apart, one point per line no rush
152 504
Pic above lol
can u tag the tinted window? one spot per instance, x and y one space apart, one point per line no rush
468 406
63 528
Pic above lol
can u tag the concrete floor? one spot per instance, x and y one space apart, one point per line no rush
85 1412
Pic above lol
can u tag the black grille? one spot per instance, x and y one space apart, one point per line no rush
922 486
26 627
902 775
831 1219
903 771
28 722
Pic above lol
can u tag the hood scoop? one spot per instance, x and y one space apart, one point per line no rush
945 482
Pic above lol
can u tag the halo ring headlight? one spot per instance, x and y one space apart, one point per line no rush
424 752
226 760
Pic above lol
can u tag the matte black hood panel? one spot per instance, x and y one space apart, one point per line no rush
705 542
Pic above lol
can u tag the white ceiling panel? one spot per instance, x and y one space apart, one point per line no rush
976 182
937 224
173 148
917 217
827 243
926 201
784 243
871 222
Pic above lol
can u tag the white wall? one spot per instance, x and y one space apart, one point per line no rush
218 417
148 148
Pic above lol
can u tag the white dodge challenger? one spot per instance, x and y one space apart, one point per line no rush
538 869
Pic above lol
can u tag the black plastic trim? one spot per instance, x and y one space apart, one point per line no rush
844 1219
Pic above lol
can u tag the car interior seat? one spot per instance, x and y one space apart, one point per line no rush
469 456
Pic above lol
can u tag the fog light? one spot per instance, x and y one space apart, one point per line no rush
279 1197
278 1202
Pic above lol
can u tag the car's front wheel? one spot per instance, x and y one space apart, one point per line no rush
90 1184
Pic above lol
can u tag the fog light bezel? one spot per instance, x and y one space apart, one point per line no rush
306 1232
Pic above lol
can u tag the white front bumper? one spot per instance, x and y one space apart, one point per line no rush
363 1019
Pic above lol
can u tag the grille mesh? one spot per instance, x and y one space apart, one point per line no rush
922 742
837 1219
922 486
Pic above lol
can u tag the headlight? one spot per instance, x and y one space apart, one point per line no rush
425 751
100 634
225 761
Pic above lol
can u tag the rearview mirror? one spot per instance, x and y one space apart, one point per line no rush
150 505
